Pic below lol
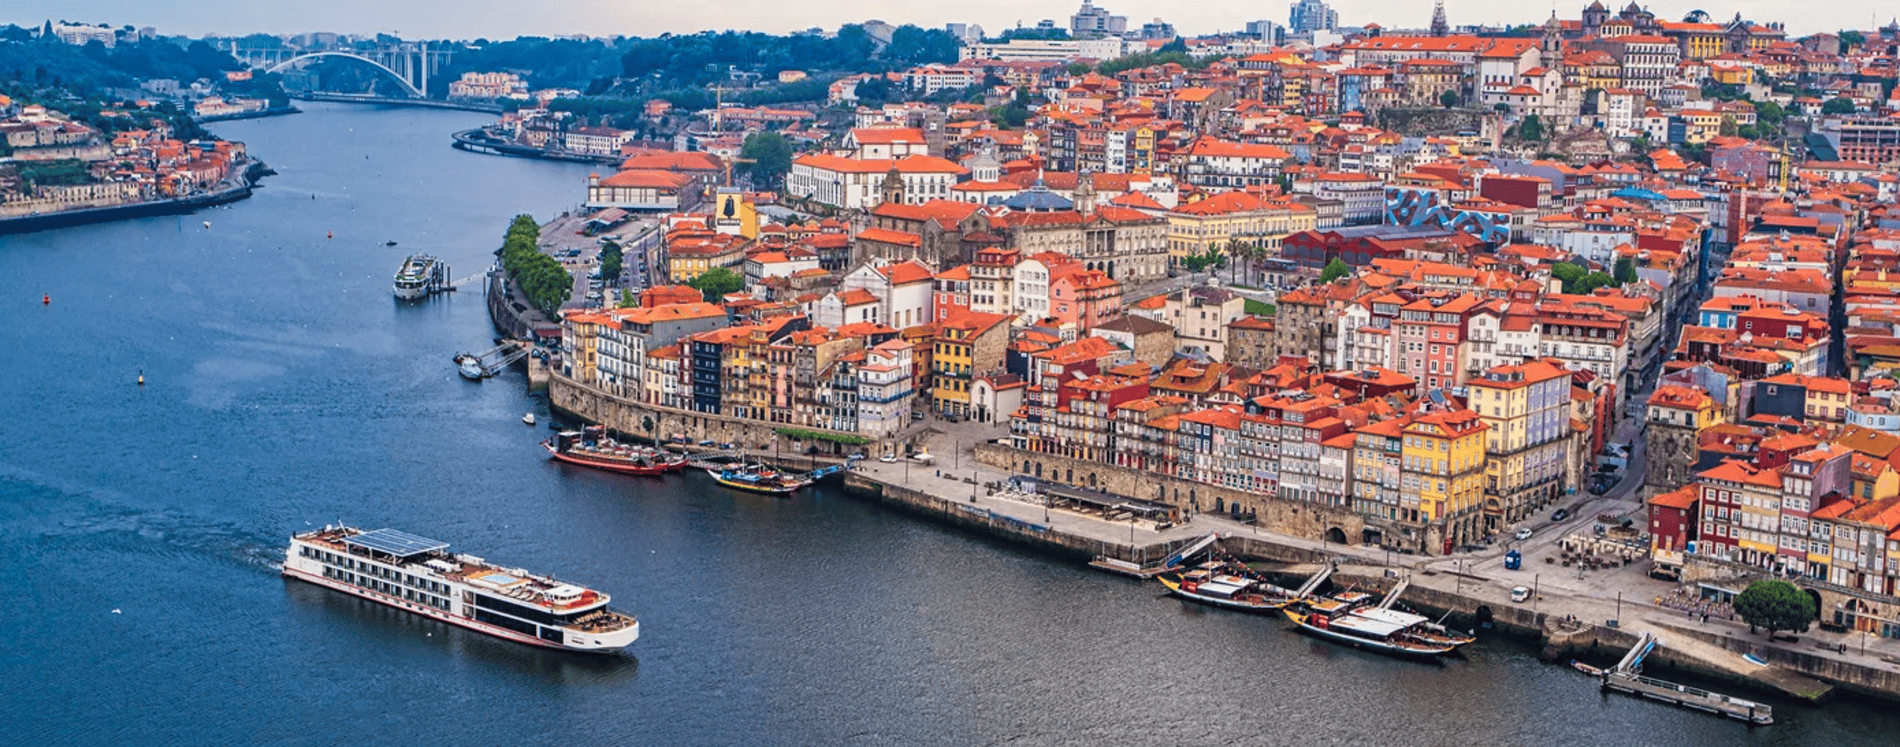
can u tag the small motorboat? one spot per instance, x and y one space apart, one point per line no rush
207 224
528 419
389 243
1585 668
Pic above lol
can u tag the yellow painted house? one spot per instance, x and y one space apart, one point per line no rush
1443 461
1211 223
1526 410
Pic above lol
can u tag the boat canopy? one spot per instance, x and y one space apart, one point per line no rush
1402 619
1366 626
1219 588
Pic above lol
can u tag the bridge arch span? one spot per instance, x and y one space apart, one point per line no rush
407 87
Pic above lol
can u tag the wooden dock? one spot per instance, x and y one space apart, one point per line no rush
1125 568
1625 677
1689 697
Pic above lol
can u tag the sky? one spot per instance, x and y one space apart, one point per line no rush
498 19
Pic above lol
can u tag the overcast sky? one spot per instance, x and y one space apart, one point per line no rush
469 19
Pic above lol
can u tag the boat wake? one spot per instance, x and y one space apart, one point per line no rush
50 516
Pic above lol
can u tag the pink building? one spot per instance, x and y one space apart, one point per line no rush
1086 298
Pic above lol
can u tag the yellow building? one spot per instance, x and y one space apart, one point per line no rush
1525 409
1698 41
967 345
691 253
579 359
1700 125
1443 464
1210 224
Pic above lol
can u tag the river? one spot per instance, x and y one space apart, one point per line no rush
140 528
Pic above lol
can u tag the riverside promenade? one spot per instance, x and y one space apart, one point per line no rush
1593 615
1588 614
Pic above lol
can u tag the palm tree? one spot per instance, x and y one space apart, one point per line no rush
1237 252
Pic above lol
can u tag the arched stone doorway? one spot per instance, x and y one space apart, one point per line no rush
1336 535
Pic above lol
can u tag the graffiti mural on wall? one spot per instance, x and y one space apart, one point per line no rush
1406 206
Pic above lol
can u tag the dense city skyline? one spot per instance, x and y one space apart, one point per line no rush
440 19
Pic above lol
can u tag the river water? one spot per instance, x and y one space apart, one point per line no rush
140 527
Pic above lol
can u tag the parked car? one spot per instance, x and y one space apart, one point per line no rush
1520 594
888 459
705 442
1523 534
1560 515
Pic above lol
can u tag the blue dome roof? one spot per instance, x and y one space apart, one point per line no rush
1039 199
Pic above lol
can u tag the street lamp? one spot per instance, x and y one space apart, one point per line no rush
1534 590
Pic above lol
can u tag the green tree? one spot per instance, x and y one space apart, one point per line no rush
1237 252
1727 128
715 283
1448 99
610 261
1625 270
1079 69
1776 605
1570 274
1177 44
1532 128
1839 105
1336 268
647 424
1851 39
771 156
627 301
1593 281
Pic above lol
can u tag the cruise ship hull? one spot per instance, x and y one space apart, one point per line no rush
459 589
411 293
602 644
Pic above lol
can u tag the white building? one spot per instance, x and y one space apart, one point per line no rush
884 389
855 183
1065 50
902 289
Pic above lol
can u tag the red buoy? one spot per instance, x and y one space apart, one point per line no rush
46 299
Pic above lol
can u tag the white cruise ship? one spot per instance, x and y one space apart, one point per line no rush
419 575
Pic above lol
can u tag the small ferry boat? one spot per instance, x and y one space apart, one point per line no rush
1385 631
759 479
421 275
1221 585
470 366
419 575
527 419
590 447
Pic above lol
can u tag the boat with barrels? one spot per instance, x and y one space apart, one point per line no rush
591 447
1224 585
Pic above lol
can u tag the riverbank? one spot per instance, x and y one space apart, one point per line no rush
479 140
230 192
260 114
1564 623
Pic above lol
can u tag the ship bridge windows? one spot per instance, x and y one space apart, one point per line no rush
524 612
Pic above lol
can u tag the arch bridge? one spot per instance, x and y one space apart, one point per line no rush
407 63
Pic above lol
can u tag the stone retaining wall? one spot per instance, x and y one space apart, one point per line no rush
626 416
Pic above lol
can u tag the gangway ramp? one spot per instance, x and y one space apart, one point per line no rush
1181 556
1393 596
1312 584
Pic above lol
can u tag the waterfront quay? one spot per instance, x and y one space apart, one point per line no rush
970 483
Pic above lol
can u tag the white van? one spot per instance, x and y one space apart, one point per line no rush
1520 594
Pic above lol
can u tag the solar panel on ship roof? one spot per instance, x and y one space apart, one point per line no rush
396 542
